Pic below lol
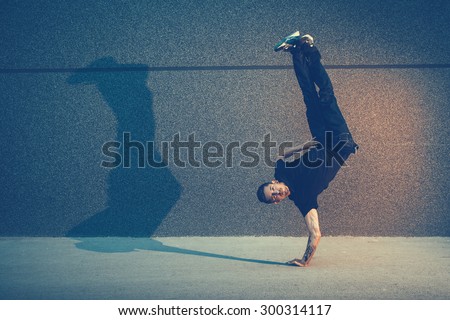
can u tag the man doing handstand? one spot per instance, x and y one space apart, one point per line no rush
318 161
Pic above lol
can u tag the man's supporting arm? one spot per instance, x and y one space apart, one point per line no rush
312 223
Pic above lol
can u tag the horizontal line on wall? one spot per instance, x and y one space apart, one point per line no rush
218 68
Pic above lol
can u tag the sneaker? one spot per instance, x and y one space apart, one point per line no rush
307 39
288 42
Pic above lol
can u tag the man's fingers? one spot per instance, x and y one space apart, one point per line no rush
297 262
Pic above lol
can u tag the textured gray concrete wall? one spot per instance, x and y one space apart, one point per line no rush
74 76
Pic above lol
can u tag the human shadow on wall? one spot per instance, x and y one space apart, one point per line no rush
138 198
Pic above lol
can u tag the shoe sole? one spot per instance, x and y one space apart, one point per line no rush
283 46
284 42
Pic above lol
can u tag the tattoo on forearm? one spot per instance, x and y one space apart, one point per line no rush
309 242
308 253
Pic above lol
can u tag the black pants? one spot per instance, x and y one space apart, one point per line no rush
322 111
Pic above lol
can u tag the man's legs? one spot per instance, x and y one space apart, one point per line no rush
333 120
322 110
310 96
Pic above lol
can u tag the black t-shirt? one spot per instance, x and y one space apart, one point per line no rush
308 176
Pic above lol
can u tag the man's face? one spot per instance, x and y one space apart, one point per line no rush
276 191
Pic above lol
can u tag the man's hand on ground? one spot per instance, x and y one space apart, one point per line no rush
297 262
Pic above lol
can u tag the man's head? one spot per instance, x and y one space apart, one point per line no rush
273 192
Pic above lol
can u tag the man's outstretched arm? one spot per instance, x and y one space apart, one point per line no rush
312 223
287 152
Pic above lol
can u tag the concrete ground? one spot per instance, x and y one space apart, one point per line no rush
223 268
